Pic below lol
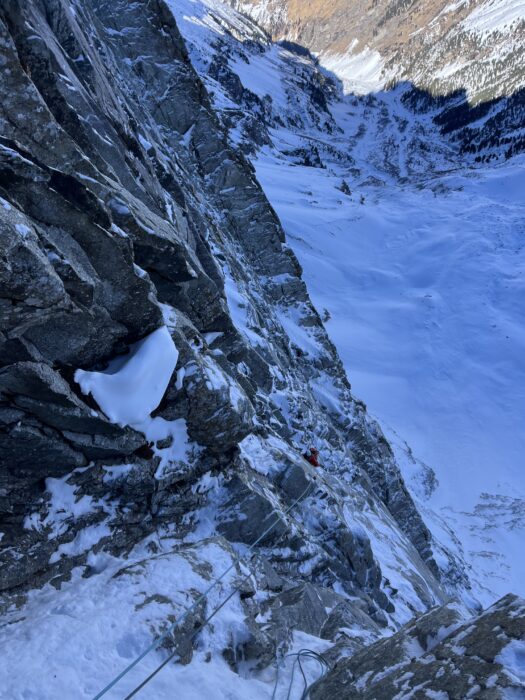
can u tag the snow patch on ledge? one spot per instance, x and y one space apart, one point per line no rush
128 391
512 658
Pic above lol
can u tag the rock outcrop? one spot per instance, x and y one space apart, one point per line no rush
439 655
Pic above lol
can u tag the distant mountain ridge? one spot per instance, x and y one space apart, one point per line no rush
440 46
463 58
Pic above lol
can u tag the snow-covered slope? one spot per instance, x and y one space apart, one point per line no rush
425 293
472 45
418 268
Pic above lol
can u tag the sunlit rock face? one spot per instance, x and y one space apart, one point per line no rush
440 46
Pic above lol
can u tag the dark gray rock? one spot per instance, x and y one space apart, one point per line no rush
64 432
348 620
270 579
295 482
29 452
437 654
247 515
37 389
220 415
305 607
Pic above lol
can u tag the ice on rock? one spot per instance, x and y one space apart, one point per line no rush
128 392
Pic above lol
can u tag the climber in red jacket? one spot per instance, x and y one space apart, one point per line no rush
312 456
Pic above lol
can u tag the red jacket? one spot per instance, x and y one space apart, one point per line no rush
312 458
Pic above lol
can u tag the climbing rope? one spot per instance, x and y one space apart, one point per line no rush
303 652
175 653
308 654
201 626
157 642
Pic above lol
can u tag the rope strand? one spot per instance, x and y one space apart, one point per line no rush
306 653
156 643
197 631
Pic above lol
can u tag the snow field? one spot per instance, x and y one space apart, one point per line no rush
495 15
426 296
96 626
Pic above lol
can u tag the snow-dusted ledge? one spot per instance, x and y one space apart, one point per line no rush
131 388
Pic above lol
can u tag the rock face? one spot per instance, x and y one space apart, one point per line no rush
437 656
390 150
125 207
121 194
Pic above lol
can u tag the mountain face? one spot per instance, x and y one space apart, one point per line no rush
163 369
412 245
438 46
464 57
